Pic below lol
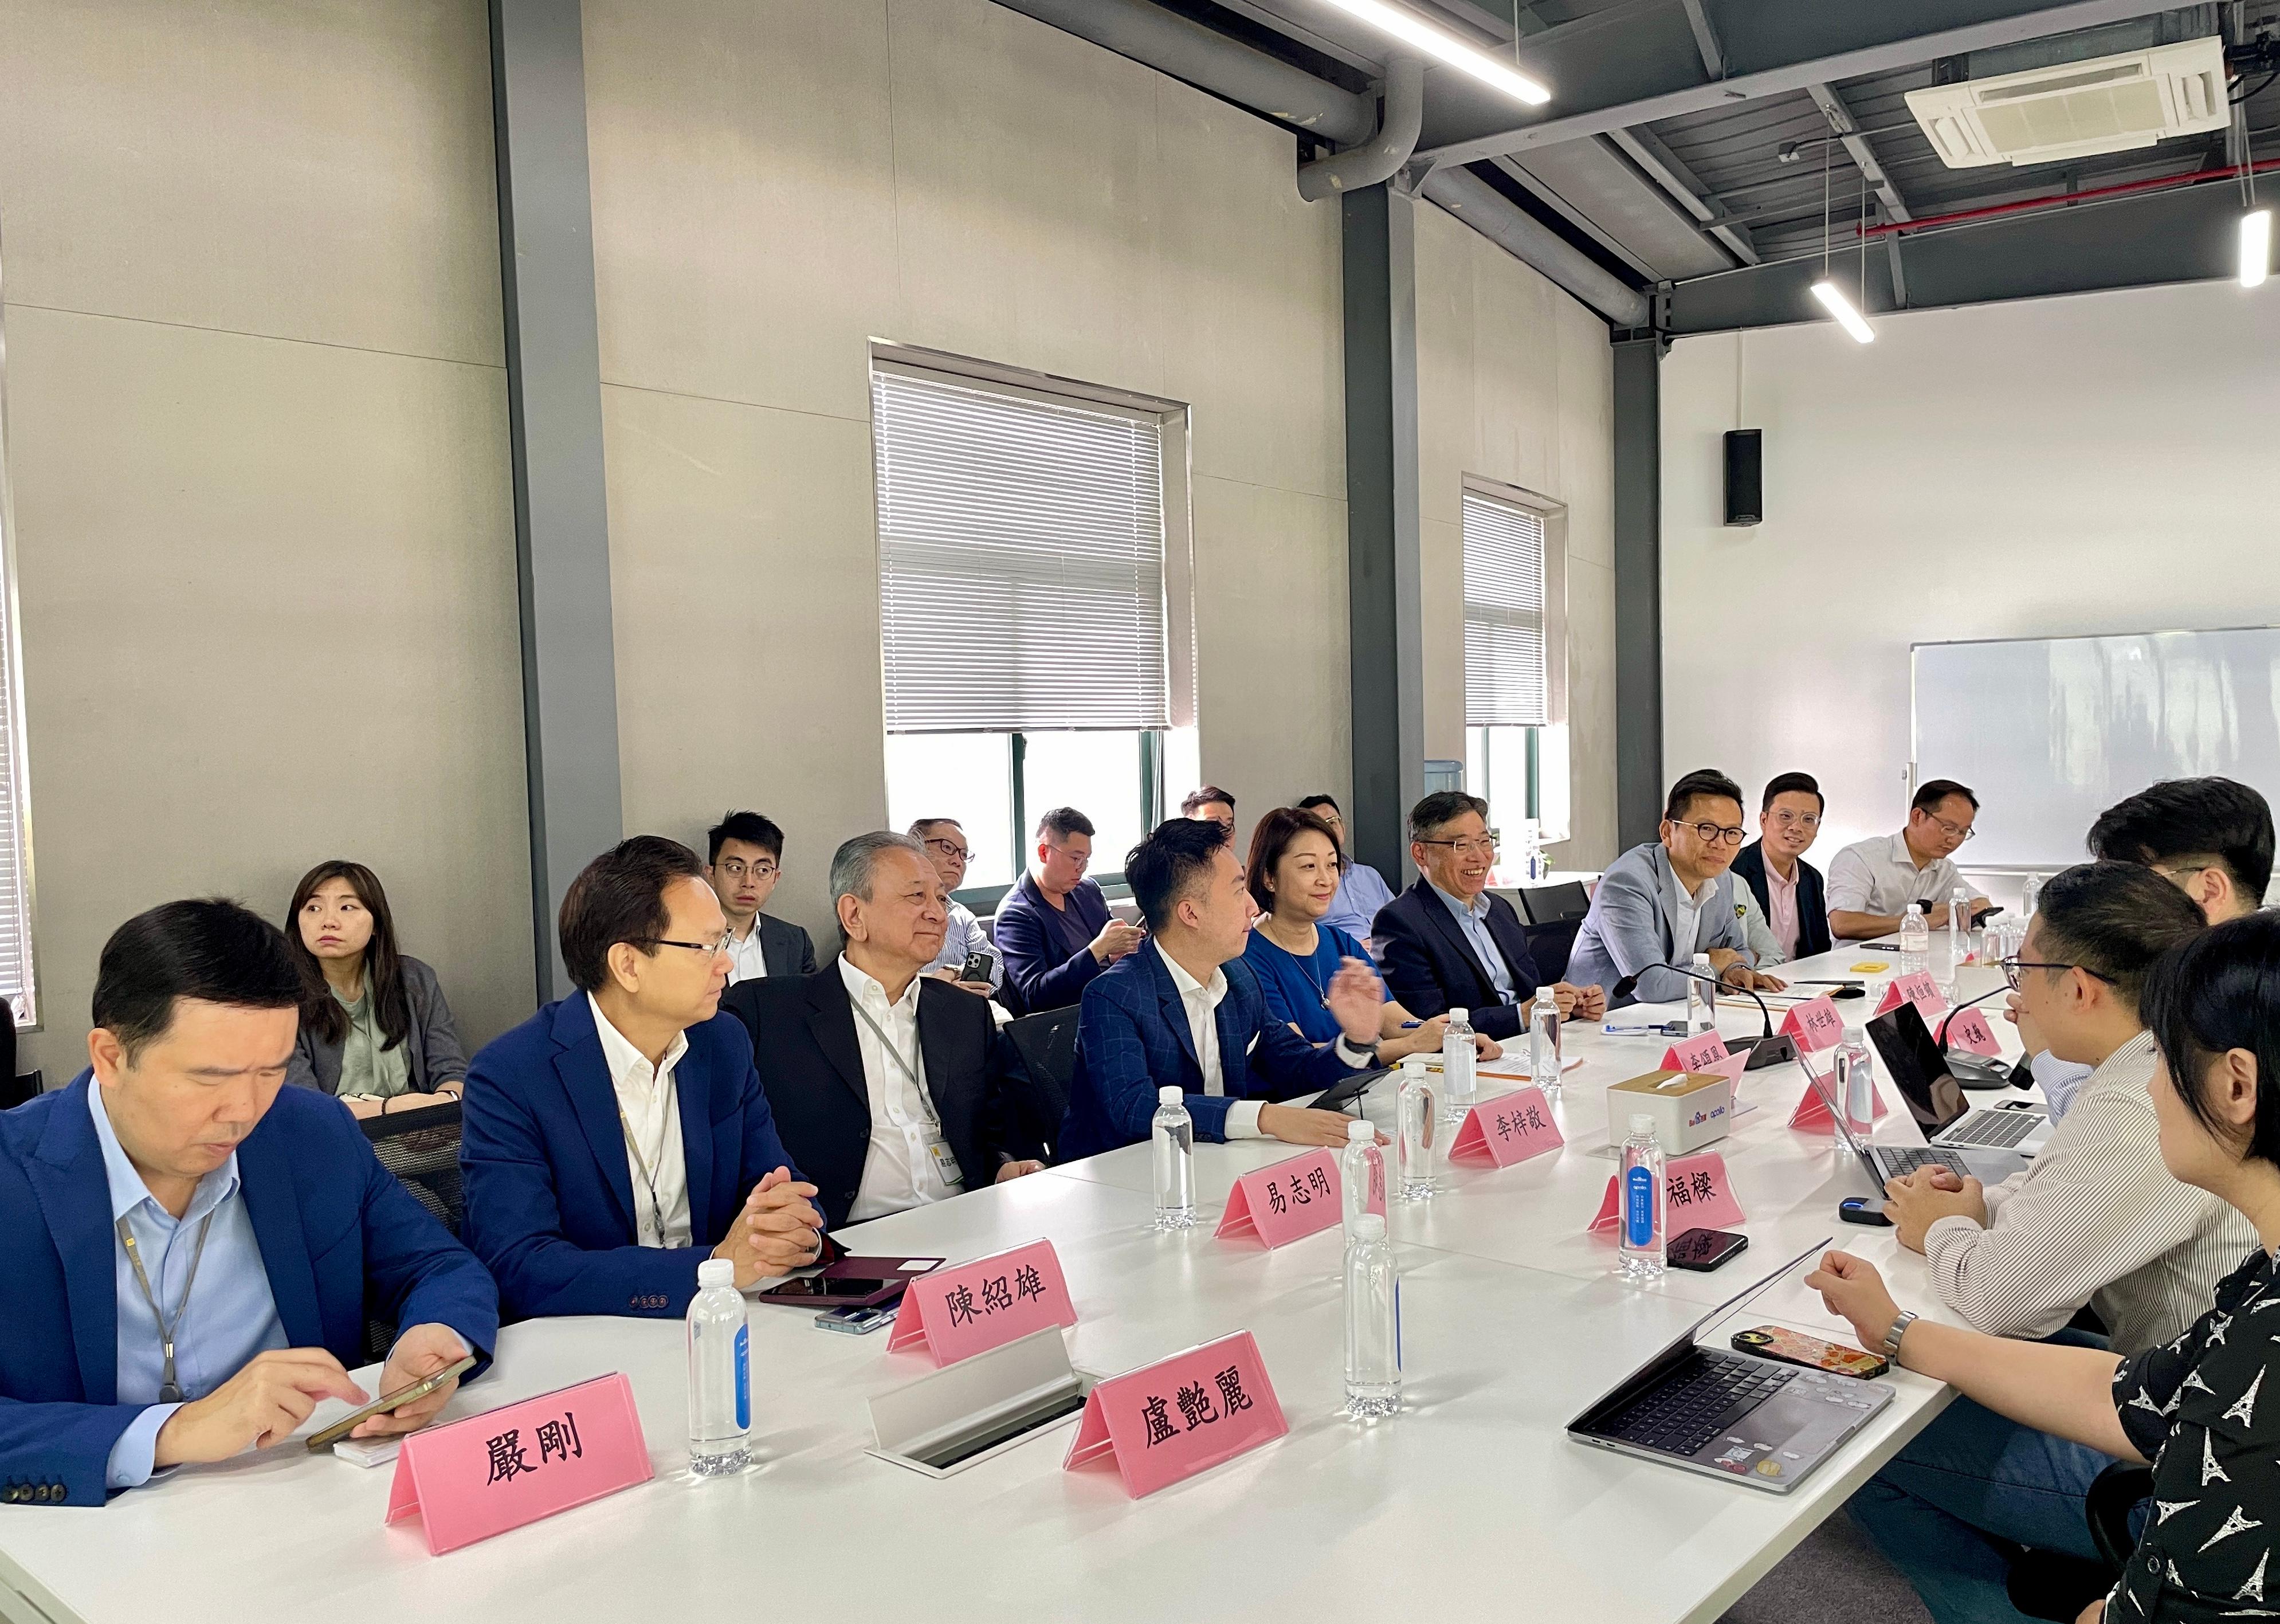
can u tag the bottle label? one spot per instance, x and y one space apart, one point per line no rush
743 1378
1639 1205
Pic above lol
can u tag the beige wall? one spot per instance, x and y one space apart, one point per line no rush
258 423
777 182
1515 383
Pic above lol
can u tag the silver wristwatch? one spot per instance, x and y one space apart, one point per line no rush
1892 1345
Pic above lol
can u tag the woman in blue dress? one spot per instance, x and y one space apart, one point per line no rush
1293 873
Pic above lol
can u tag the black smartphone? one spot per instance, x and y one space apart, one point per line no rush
977 967
1863 1210
1986 914
1704 1250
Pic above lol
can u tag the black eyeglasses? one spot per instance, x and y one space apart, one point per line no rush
708 948
2012 966
1715 833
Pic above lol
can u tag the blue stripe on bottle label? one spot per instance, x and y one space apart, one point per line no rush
744 1379
1638 1207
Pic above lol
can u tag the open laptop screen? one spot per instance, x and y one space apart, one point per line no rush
1934 1099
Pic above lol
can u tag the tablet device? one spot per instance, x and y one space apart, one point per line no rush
1347 1090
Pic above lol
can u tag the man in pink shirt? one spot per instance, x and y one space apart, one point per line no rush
1788 889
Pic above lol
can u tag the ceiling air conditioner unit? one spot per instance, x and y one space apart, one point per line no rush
2072 110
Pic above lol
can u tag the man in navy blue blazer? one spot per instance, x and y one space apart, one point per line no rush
192 1248
1053 928
1185 1012
620 1136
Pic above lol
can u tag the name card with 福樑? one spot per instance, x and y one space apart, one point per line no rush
1696 1196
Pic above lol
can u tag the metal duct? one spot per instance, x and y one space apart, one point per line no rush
1493 215
1381 158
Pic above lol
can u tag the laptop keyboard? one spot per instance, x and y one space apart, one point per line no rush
2002 1129
1700 1400
1896 1162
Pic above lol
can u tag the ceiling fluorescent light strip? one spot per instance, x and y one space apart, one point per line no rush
1841 307
1411 29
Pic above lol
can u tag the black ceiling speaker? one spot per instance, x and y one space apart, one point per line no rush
1745 480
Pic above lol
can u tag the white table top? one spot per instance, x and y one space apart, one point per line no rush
1511 1323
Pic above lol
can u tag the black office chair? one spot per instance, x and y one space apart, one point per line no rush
1548 904
422 1148
15 1090
1045 1047
1550 944
2050 1584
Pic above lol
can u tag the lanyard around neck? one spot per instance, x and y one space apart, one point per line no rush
170 1391
909 1065
645 1166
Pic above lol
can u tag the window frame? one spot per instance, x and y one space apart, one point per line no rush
15 733
1553 516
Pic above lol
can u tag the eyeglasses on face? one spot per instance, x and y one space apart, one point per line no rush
953 849
1715 833
1955 831
1786 819
735 869
1080 859
2012 966
719 945
1483 845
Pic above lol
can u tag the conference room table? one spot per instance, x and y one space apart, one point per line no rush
1472 1503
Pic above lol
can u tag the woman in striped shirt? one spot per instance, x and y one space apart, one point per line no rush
2194 1407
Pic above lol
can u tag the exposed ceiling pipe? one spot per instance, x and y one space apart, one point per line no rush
1527 239
1188 50
1381 158
1212 62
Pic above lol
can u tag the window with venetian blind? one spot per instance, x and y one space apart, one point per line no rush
1506 681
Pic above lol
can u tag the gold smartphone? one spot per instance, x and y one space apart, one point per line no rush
320 1442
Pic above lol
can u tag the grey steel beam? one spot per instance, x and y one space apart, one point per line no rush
1770 47
2189 235
1384 577
1492 213
554 419
1705 37
1864 156
1639 589
1667 171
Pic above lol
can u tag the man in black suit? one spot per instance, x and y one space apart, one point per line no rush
744 862
1788 889
1448 945
886 1083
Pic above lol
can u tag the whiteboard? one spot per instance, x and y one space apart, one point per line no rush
2051 731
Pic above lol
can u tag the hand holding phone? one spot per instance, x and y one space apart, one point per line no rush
388 1403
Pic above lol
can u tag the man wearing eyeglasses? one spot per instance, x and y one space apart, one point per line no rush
621 1136
1873 882
746 861
1789 890
1661 903
944 840
1448 945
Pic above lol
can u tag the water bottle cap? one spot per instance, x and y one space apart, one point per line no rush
1413 1063
1855 1035
1368 1226
1456 1014
1361 1133
715 1272
1170 1096
1703 959
1642 1123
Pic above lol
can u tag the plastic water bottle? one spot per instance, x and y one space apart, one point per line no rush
1544 1043
2031 897
719 1374
1702 997
1460 1086
1361 1169
1639 1210
1959 932
1856 1083
1418 1143
1372 1321
1915 941
1172 1135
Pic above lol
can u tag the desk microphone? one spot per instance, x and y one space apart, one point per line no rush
1767 1050
1974 1071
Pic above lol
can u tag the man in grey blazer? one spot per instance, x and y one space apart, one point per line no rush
1666 901
746 860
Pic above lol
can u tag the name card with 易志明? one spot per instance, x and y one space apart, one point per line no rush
1292 1199
1508 1129
958 1313
1180 1416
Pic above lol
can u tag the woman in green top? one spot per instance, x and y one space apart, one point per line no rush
379 1034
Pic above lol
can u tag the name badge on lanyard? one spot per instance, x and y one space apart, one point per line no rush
922 1139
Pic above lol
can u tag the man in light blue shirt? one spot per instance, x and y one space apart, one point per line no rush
944 840
1362 891
193 1248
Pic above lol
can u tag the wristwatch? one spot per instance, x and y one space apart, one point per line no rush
1891 1345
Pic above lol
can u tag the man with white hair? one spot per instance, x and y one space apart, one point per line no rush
888 1085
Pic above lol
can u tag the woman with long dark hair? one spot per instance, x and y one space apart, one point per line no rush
375 1031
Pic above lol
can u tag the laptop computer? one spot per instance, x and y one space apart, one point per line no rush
1731 1415
1927 1082
1886 1162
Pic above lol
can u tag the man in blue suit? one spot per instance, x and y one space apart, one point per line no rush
620 1136
1186 1012
191 1253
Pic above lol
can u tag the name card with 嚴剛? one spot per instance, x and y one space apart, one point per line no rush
468 1480
956 1314
1180 1416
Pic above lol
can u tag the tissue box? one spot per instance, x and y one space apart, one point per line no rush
1690 1109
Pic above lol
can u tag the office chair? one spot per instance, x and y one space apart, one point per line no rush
422 1148
1045 1045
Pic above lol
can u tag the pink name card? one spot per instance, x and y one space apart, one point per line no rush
1696 1196
956 1314
1916 987
1293 1200
1812 1113
1700 1053
1815 1024
1180 1416
1508 1130
468 1480
1968 1029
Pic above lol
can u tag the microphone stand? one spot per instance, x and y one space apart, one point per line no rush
1767 1049
1969 1070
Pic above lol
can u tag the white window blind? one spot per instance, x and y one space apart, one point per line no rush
1505 681
1020 560
15 854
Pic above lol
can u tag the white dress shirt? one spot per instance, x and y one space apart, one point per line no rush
1879 875
745 962
1686 926
1201 1000
648 1108
909 1163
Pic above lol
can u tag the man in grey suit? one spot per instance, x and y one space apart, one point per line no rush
746 860
1666 901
